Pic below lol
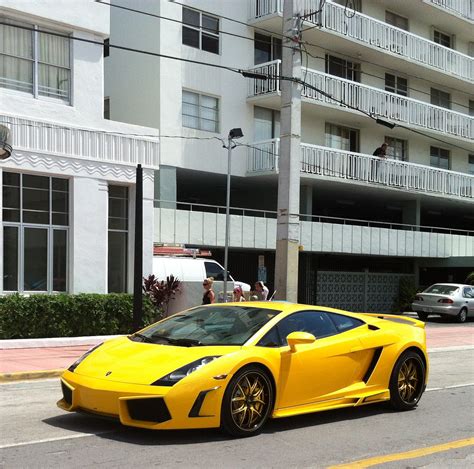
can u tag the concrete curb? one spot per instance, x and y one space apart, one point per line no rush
29 375
54 342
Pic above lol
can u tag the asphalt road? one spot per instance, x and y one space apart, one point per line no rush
36 434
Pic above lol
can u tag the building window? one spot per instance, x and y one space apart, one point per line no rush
440 98
107 108
342 68
470 49
266 48
355 5
266 124
342 138
397 148
471 107
118 239
445 40
34 62
396 84
396 20
35 230
200 30
106 47
471 164
200 111
439 158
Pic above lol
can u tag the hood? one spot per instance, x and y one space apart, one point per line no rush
142 363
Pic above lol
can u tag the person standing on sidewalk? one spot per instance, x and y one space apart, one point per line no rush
209 296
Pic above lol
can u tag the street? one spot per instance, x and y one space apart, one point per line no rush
35 433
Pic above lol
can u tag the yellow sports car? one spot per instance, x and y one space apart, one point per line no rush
235 365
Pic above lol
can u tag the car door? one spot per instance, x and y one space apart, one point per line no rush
468 299
320 370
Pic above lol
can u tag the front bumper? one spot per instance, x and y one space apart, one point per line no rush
449 310
194 405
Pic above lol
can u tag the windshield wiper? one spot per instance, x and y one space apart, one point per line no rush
143 337
182 341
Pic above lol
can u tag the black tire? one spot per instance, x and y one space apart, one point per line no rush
462 316
407 381
256 404
422 316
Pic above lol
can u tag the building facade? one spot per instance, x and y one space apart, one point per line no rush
68 189
365 222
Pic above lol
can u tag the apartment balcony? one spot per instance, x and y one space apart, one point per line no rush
82 143
463 8
374 101
372 34
204 225
344 166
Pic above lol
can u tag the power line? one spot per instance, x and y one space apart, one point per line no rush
322 3
246 73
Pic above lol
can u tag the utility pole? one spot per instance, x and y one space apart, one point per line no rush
288 226
138 253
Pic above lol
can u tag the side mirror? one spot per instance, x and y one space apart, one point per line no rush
299 338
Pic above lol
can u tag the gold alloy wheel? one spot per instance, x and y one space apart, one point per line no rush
250 400
409 381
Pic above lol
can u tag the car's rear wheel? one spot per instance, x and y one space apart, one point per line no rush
247 402
422 316
462 315
407 381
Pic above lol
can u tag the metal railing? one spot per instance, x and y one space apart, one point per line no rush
368 99
377 34
272 214
464 8
262 157
90 144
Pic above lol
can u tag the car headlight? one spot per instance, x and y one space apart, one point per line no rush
79 360
177 375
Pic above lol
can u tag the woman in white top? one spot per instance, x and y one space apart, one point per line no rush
261 291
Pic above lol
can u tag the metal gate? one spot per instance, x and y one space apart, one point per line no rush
358 291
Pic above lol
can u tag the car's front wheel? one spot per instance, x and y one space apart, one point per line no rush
407 381
462 316
247 402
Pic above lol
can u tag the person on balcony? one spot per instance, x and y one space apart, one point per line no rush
381 152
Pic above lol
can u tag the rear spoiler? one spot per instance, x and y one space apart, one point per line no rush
397 318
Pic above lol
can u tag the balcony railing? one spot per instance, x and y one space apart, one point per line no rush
371 100
340 164
464 8
90 144
377 34
204 225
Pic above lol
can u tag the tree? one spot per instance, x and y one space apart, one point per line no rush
470 279
161 292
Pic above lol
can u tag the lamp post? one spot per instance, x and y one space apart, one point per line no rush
5 142
234 133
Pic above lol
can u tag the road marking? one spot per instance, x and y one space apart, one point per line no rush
416 453
59 438
452 348
454 386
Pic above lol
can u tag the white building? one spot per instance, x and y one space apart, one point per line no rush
366 225
68 189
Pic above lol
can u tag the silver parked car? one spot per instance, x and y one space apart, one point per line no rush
445 299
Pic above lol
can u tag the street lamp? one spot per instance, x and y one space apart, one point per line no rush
5 142
234 133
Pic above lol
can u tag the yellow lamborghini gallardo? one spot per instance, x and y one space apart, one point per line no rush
235 365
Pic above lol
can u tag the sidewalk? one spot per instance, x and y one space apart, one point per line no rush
43 358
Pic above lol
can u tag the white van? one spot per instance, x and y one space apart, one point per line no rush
191 272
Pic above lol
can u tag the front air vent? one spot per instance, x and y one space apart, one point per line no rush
148 410
373 364
67 393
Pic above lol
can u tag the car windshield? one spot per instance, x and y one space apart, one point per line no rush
216 325
441 289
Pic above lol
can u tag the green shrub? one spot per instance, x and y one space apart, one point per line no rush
406 295
69 315
470 279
